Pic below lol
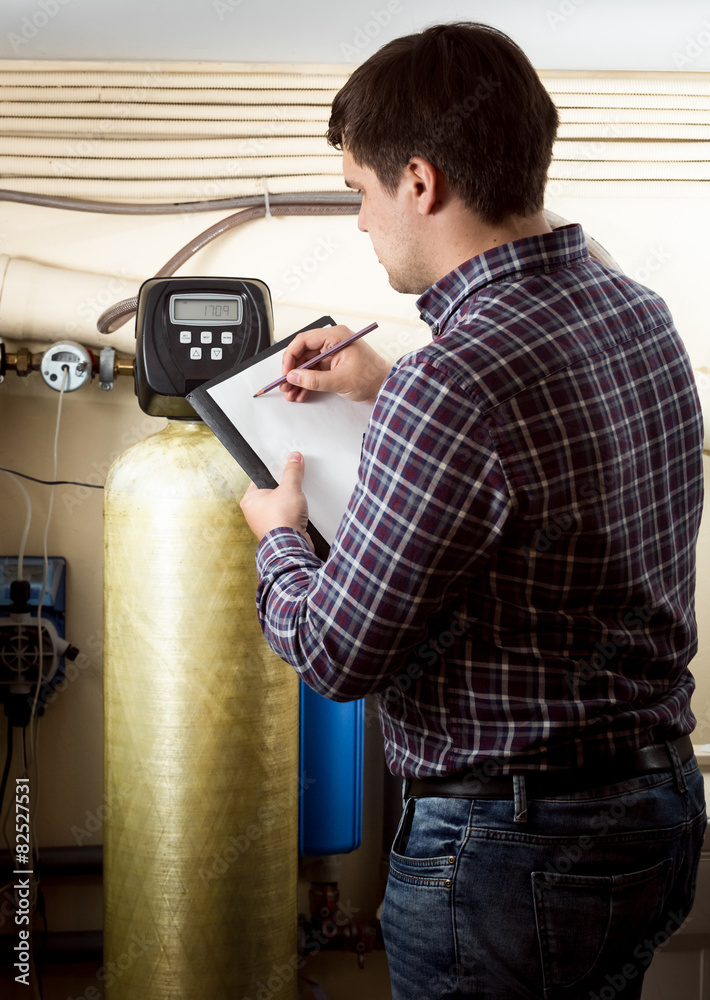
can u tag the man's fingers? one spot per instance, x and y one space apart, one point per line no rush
250 490
294 358
284 506
309 378
293 473
310 343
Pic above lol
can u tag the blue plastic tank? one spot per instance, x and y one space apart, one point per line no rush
331 766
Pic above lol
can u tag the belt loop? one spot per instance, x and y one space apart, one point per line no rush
406 785
521 800
677 766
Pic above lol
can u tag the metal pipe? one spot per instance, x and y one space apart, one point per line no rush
57 947
55 862
23 361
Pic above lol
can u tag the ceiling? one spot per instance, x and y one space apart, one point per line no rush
556 34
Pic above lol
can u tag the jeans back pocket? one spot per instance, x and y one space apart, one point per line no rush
592 926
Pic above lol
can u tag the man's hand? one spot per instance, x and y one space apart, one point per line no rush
356 372
284 507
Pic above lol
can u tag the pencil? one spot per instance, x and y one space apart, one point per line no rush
318 357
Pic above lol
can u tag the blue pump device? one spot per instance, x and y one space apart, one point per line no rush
54 600
19 642
331 747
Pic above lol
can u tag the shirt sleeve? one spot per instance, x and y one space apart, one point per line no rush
429 507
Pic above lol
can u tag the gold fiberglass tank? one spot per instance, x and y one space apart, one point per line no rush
201 737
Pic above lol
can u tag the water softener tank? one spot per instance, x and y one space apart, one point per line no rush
201 745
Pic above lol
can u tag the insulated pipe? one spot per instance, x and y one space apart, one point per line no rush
293 153
164 77
172 169
185 189
185 95
174 151
139 78
42 303
190 207
85 117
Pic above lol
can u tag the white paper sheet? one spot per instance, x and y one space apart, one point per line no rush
327 430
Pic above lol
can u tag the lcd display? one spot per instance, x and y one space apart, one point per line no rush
206 309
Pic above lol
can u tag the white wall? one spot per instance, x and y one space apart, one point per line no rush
556 34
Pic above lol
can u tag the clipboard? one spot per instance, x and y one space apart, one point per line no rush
260 433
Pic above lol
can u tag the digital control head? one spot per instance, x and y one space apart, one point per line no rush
189 330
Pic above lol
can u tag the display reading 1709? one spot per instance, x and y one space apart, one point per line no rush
23 912
203 309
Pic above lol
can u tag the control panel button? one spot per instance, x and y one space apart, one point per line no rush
227 336
216 353
206 337
195 353
186 336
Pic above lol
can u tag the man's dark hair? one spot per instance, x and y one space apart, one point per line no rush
464 97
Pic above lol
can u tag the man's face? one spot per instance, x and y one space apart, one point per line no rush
391 221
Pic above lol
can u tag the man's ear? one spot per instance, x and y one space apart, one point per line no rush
427 184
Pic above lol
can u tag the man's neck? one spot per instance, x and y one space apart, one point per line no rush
466 237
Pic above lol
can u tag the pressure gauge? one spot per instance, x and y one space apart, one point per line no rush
189 330
66 365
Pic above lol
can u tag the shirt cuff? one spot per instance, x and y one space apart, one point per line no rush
283 548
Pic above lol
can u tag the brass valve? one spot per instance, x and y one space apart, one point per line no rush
23 361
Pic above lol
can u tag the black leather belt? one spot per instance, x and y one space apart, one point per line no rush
476 784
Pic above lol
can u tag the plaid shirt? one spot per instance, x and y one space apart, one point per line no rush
514 574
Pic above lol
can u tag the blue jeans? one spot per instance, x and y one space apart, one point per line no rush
568 904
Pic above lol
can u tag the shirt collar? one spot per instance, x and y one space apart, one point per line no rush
530 255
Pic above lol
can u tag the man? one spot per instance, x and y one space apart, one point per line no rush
514 574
